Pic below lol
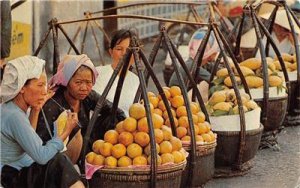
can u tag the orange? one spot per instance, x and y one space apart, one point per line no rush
201 117
119 127
167 93
168 122
154 101
183 122
181 111
202 128
99 160
143 125
90 157
165 113
207 137
175 91
110 162
195 108
96 146
150 94
167 135
158 160
186 138
134 150
139 160
212 135
196 130
158 111
130 124
148 147
125 138
111 136
176 144
124 161
159 135
142 138
199 138
178 156
118 151
181 132
167 158
158 121
165 147
105 149
161 105
195 118
177 101
137 111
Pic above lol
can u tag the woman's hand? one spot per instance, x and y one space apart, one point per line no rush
72 121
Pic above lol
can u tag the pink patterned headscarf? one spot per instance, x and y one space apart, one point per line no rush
68 66
211 48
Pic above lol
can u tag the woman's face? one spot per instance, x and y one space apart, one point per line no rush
80 85
35 91
119 51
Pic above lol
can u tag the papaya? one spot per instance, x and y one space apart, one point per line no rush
259 72
218 96
236 109
230 95
275 81
222 72
245 70
294 58
285 57
278 66
271 65
293 67
251 105
252 63
254 81
228 83
224 106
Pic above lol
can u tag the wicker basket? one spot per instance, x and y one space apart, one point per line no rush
167 176
293 116
228 148
205 165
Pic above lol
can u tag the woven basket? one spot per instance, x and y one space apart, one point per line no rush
205 165
167 176
293 116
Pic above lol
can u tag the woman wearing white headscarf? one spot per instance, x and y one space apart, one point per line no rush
25 161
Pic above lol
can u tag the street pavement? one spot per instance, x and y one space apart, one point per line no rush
272 169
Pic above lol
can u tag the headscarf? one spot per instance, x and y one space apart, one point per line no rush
196 39
68 66
17 72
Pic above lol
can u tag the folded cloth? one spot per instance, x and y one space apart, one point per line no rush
17 72
68 66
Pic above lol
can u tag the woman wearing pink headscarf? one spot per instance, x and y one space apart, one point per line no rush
73 84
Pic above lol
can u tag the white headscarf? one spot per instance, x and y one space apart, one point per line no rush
17 72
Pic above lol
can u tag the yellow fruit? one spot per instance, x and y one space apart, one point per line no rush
125 138
61 125
222 72
225 106
196 130
207 137
111 136
199 138
202 128
252 63
158 160
124 161
166 116
178 157
159 135
251 105
96 146
275 81
175 91
90 157
165 147
181 111
167 135
271 65
162 106
181 132
167 158
130 124
293 67
141 138
212 136
186 138
254 81
176 144
110 162
285 57
245 71
195 108
230 95
201 117
134 150
158 111
119 127
98 160
183 122
168 122
157 120
217 97
105 149
177 101
139 161
150 94
236 109
148 147
137 111
143 125
228 82
167 93
154 101
118 151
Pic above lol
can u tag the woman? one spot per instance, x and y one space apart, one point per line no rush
25 161
73 83
119 43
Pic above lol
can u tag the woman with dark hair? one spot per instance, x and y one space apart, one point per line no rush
73 84
119 43
25 161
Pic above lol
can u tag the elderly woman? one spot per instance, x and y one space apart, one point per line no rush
119 43
73 84
25 161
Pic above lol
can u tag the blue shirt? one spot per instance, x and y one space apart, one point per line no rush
20 145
